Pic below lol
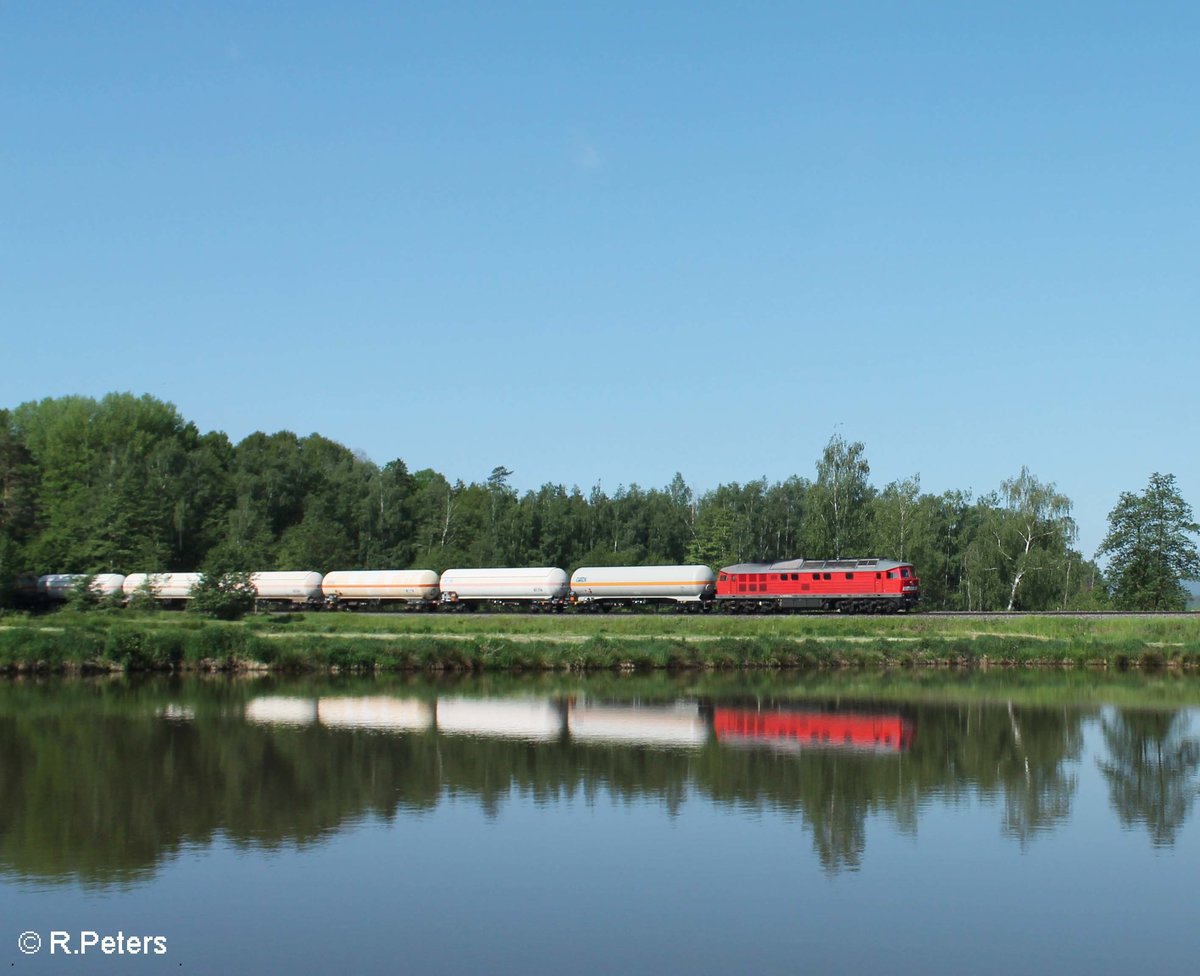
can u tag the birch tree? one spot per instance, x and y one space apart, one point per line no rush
1031 528
842 494
895 509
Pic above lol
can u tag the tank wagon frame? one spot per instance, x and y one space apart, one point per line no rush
841 585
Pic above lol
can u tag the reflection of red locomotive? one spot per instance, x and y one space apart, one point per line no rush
846 585
841 730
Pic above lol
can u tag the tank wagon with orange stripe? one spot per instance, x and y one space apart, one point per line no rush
604 587
844 585
415 588
542 588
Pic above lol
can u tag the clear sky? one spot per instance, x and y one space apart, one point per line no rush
609 242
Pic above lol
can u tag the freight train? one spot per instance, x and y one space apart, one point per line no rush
842 585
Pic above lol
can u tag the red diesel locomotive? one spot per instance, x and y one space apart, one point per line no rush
844 585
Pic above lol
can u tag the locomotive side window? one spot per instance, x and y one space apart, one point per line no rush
816 576
891 574
723 577
849 576
829 576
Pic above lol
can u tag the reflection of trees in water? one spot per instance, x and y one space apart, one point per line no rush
1020 755
1151 770
94 786
1038 788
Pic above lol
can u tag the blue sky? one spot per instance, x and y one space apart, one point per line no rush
608 242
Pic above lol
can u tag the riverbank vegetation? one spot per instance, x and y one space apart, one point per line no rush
113 640
126 484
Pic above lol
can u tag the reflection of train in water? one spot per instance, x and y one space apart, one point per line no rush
675 725
843 585
816 730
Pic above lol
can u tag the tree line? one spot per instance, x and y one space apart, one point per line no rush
126 484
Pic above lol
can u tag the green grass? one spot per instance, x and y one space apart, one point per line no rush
621 642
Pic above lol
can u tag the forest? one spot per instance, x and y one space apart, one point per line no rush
126 484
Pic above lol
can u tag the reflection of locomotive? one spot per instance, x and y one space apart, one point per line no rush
822 730
845 585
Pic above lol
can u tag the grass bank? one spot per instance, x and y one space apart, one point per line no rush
119 641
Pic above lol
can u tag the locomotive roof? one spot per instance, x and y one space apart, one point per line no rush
806 565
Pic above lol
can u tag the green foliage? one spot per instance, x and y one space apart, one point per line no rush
1149 549
224 596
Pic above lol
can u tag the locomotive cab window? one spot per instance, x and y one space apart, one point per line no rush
849 576
904 573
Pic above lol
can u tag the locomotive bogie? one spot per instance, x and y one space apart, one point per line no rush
632 585
409 587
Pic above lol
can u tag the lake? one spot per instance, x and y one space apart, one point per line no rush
780 822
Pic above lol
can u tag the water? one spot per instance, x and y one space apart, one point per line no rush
786 823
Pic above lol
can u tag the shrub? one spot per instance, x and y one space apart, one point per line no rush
225 596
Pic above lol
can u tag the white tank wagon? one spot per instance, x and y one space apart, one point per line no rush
601 587
291 588
375 587
164 587
60 586
542 588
